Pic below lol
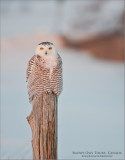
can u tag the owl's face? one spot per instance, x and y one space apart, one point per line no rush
46 50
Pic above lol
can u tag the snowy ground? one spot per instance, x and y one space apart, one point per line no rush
90 112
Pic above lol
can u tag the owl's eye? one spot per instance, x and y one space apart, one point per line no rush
41 48
50 48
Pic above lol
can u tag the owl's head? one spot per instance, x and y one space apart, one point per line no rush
46 50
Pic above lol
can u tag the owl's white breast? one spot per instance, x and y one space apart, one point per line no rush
51 61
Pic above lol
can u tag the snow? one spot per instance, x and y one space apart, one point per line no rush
90 109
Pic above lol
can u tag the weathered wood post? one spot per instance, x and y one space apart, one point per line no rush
43 123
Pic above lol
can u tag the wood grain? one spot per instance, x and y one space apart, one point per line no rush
43 123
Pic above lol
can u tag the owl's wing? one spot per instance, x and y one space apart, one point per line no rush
59 60
57 81
60 75
29 68
37 77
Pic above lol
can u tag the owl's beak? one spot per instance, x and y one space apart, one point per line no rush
46 53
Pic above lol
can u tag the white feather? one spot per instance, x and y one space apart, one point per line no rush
50 58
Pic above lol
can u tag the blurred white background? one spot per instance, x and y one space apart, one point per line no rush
91 106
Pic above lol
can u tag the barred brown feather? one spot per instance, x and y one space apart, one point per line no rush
39 80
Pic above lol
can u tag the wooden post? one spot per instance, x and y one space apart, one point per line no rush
43 123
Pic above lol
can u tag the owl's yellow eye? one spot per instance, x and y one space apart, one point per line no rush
50 48
41 48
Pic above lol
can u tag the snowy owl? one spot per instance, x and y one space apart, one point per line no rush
44 72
